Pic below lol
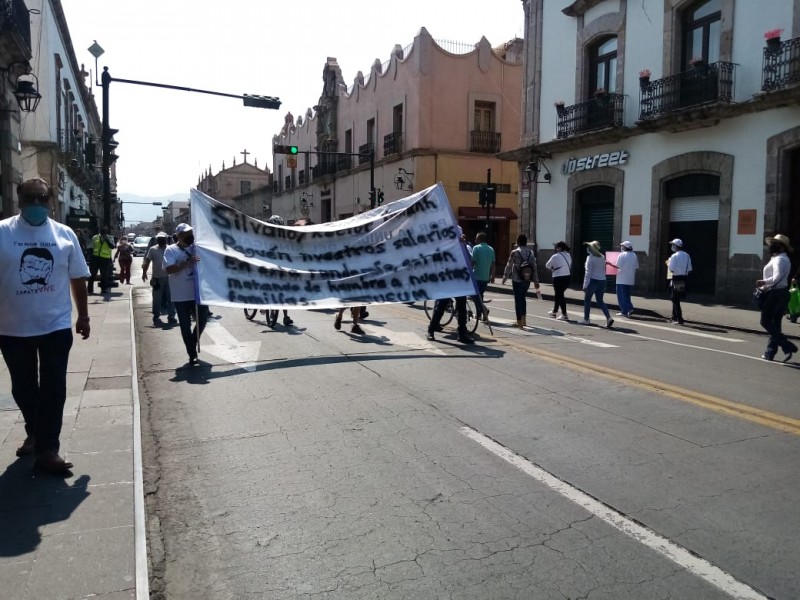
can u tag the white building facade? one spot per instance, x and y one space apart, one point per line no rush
661 119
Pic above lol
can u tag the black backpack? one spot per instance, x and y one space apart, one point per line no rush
526 269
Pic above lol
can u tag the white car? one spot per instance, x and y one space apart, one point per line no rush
140 245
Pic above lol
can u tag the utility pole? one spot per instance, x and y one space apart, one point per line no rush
487 197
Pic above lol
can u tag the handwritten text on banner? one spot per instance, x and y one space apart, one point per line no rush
404 251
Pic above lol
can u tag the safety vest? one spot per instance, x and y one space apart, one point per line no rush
101 246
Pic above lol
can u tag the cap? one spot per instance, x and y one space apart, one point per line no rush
627 245
161 234
677 242
183 228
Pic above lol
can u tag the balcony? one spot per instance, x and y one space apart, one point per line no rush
15 30
344 162
393 143
600 112
781 67
702 84
363 152
486 142
323 168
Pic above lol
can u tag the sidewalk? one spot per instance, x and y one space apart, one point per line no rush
80 536
84 536
719 316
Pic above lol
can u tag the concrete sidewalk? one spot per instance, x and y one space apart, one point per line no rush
695 311
84 536
81 536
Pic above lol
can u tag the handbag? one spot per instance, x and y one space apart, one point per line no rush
155 283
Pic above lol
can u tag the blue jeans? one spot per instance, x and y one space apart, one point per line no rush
38 369
479 305
624 298
520 296
596 288
185 310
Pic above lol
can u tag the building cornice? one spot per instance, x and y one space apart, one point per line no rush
579 7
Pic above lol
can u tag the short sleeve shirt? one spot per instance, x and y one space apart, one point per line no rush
156 257
181 284
482 260
36 266
627 263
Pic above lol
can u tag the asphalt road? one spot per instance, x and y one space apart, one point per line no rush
561 462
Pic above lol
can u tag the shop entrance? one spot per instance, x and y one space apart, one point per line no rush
596 222
793 219
694 218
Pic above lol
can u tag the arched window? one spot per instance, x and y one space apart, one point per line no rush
603 66
701 32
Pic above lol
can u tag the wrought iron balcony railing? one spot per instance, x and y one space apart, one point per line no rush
781 64
323 168
702 84
15 19
600 112
487 142
393 143
363 152
344 162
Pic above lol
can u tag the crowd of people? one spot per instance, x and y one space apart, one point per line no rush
45 270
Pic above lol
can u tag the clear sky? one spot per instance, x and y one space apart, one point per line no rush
167 139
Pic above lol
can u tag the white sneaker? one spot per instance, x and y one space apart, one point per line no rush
562 318
552 314
584 322
620 314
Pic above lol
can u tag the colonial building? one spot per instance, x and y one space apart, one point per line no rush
60 140
433 112
646 121
233 181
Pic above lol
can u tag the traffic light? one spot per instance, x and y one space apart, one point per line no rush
285 150
109 145
380 197
261 101
372 198
487 195
90 152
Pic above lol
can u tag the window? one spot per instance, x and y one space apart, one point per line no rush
701 32
603 66
397 119
244 187
348 141
371 132
484 117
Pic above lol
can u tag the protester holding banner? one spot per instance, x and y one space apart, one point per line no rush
180 261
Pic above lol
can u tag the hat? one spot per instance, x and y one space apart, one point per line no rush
594 247
677 242
183 228
161 234
781 239
627 245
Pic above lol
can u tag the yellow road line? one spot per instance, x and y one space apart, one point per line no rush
719 405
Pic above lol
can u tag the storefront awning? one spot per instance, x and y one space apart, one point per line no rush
478 213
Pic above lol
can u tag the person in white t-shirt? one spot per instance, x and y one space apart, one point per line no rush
41 263
679 265
180 260
626 266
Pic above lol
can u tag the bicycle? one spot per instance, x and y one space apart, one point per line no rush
450 312
271 315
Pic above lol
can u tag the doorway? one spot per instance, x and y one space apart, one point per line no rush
596 222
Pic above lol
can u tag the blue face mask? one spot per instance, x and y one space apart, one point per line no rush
35 214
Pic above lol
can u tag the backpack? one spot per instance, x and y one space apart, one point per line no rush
525 270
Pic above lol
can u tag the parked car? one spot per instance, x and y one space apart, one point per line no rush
140 245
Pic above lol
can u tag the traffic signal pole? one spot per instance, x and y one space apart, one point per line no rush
108 145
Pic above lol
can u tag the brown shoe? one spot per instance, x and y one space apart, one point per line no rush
50 462
337 324
27 447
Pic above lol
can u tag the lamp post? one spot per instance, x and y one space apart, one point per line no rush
122 212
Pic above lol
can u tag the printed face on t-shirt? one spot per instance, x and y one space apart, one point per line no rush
35 267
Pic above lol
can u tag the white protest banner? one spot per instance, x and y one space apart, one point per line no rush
404 251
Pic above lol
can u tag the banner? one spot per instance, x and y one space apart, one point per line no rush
405 251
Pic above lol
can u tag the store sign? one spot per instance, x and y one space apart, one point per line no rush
597 161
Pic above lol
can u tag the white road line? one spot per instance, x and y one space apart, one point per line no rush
667 548
507 327
408 339
228 348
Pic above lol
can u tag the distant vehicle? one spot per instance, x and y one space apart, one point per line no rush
131 237
140 245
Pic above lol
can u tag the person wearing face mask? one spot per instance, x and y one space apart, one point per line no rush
180 262
102 247
679 265
774 284
162 300
42 271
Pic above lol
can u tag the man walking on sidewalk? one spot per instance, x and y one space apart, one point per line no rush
102 247
626 266
483 267
40 263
